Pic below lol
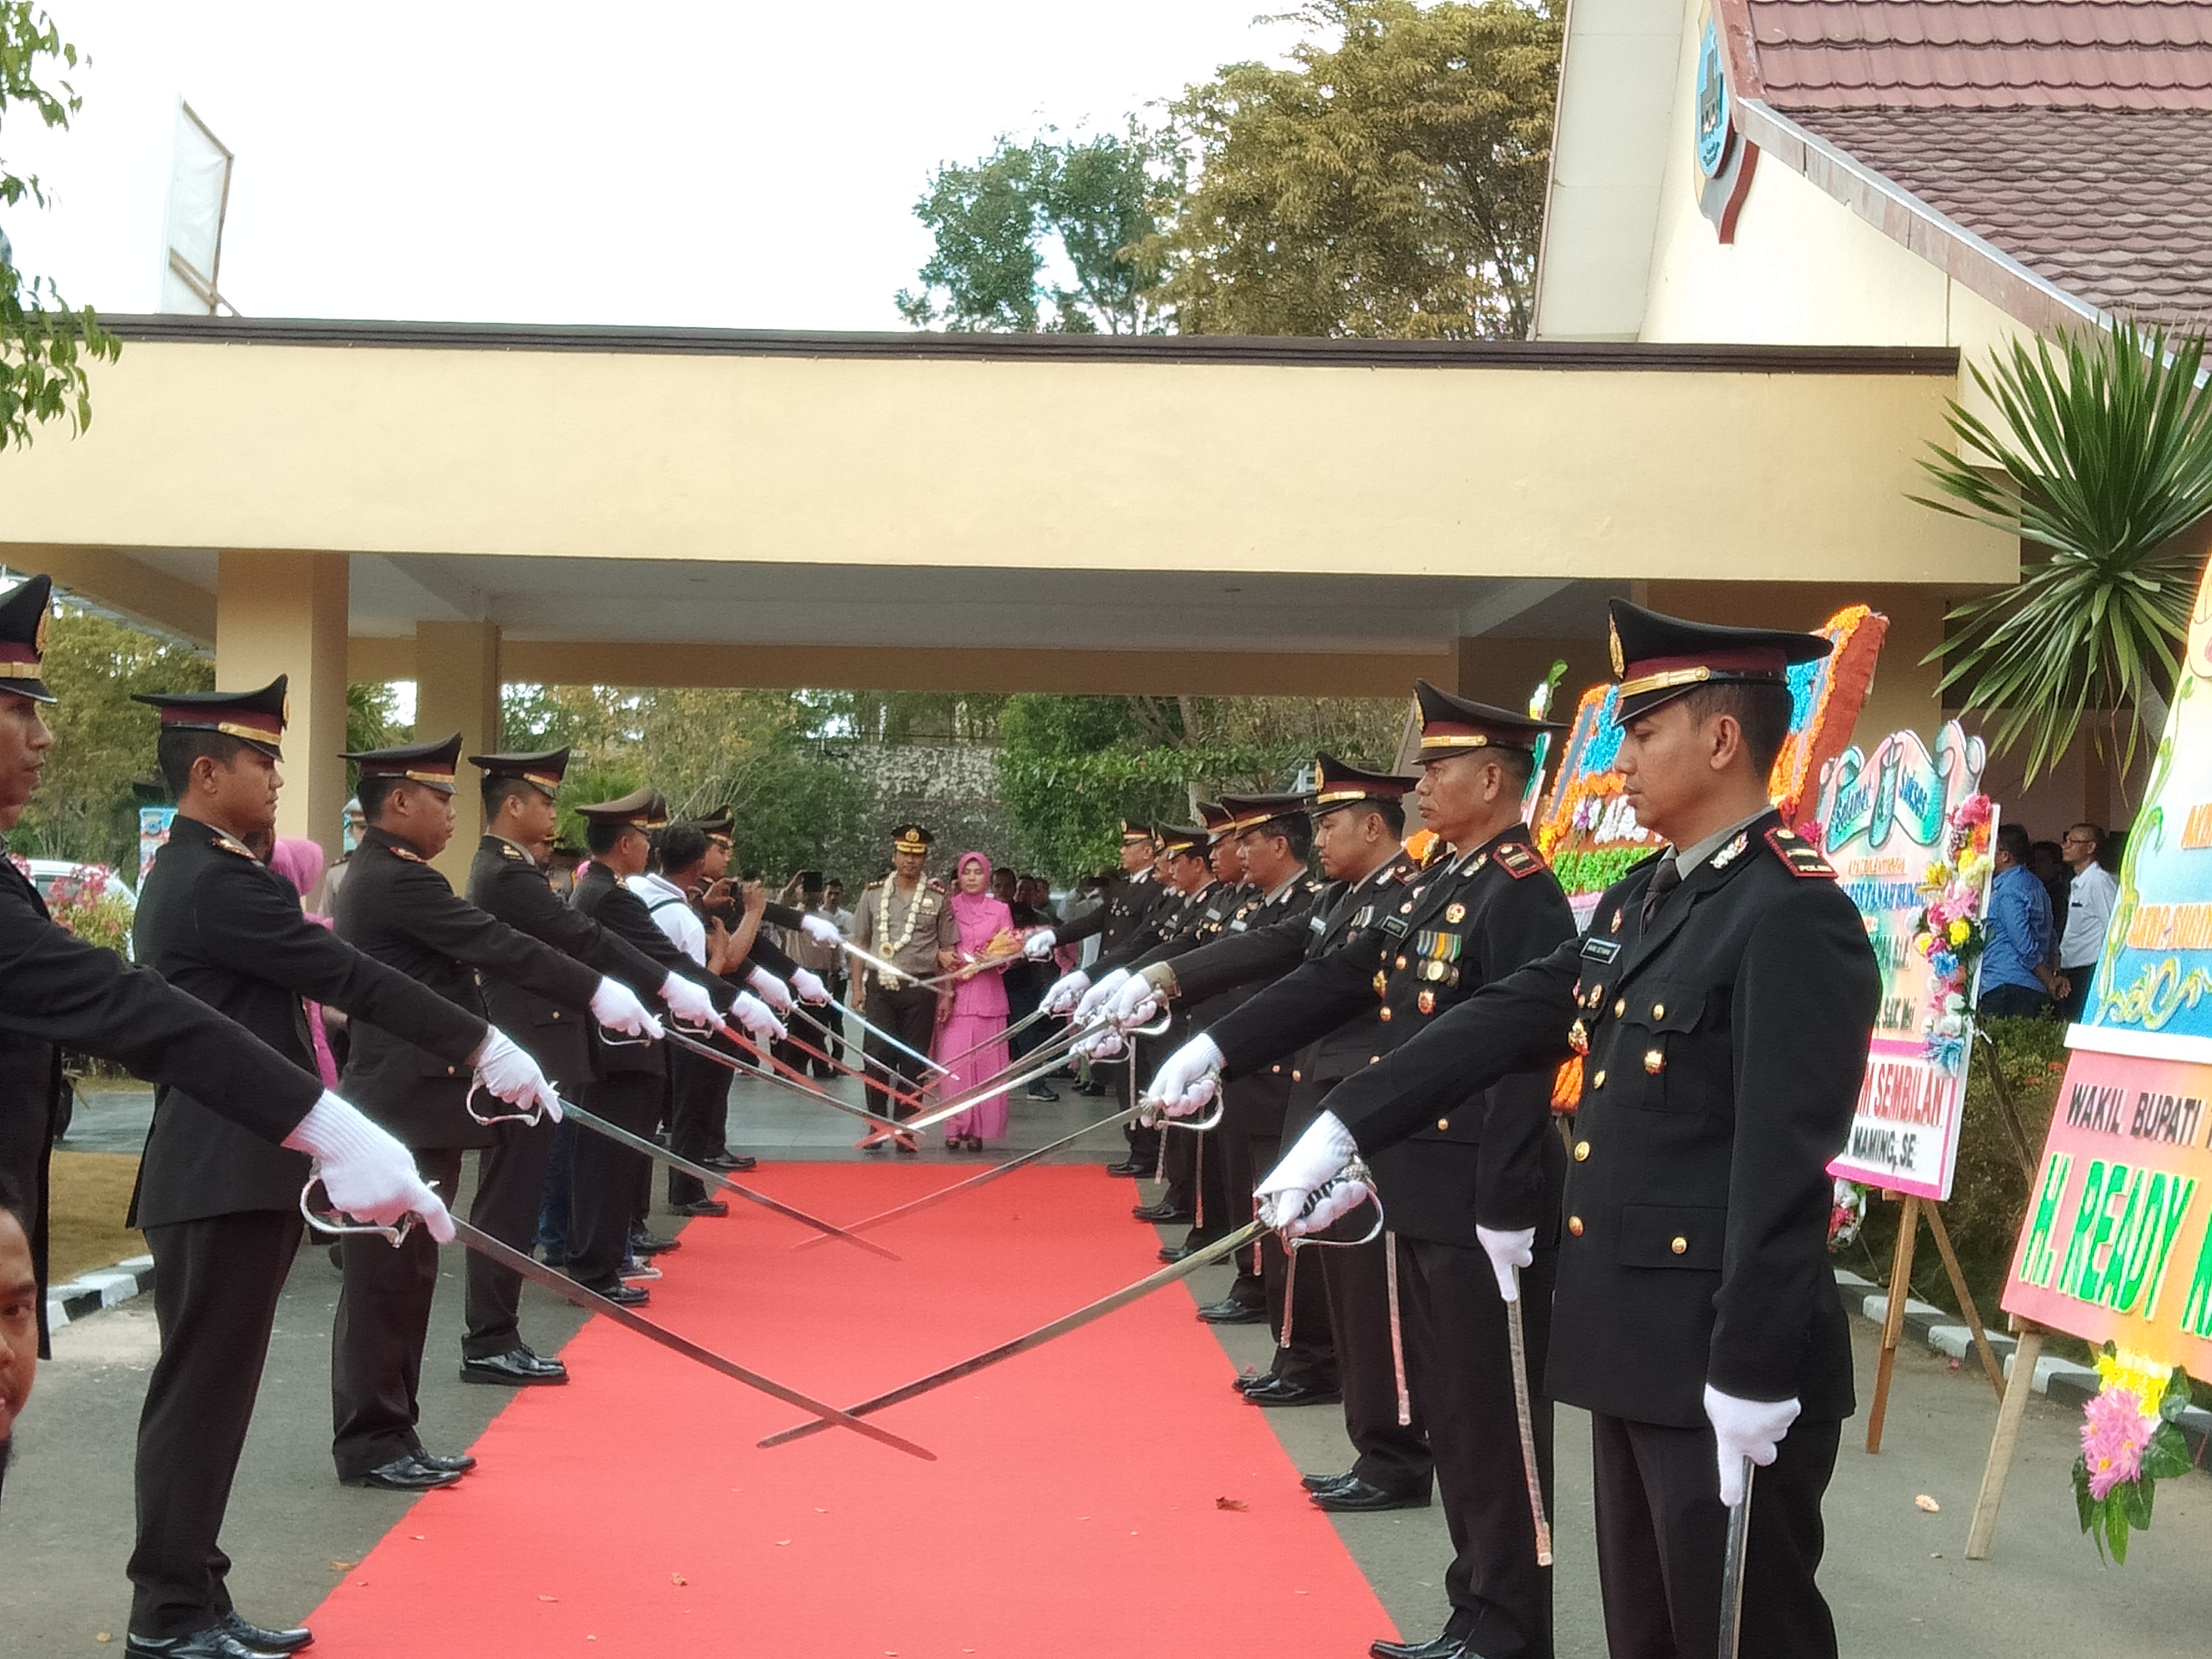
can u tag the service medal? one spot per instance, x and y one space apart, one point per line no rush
1454 912
1427 1002
1578 1037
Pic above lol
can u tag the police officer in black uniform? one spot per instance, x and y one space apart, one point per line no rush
508 881
1721 1001
220 1206
1357 818
1484 1176
397 908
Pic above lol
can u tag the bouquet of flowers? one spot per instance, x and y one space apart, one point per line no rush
1846 1214
1950 932
2129 1442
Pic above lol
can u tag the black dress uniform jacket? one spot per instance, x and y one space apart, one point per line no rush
606 899
505 883
1458 925
1128 900
215 921
1726 1043
57 991
396 907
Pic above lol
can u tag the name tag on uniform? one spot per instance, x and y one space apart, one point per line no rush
1317 924
1600 949
1394 927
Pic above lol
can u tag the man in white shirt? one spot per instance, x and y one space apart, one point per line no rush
697 1087
2089 902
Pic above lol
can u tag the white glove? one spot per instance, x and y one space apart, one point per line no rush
514 1077
1745 1428
820 929
1187 1078
1095 997
368 1173
1509 1253
1318 1158
773 991
809 987
1061 997
1040 944
1104 1043
688 1001
615 1006
763 1026
1135 1003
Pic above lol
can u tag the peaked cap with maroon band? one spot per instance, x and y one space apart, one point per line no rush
1218 821
1257 811
543 770
1136 832
1336 786
1452 725
1658 659
433 764
256 718
641 809
23 615
1185 840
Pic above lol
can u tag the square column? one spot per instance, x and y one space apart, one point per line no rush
456 689
281 612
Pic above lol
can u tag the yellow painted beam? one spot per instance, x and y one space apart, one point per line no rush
1497 462
122 583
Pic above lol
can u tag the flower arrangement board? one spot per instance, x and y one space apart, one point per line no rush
1586 829
1910 844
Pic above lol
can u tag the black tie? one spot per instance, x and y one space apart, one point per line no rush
1664 880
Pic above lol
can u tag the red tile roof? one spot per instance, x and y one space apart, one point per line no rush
2073 134
2104 54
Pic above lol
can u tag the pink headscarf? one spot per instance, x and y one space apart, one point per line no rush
979 916
300 861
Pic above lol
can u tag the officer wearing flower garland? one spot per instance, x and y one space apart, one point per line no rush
1721 1001
905 920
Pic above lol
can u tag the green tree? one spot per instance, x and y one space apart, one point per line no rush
44 347
87 806
1390 184
1096 203
2104 458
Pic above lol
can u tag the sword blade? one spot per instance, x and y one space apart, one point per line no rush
776 1076
1044 1333
1013 1077
591 1301
844 1070
1738 1542
882 1035
660 1154
1006 1036
1520 1347
982 1178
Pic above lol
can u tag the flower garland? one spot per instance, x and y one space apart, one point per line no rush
884 925
2127 1447
1950 932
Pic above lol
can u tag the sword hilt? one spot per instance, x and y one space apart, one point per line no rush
337 1224
1357 1170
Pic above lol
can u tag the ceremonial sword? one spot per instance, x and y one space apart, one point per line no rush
776 1075
1739 1543
592 1302
1227 1245
1520 1347
659 1154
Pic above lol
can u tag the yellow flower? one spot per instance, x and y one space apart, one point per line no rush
1960 931
2139 1374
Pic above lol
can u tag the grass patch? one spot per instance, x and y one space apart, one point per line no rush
89 1196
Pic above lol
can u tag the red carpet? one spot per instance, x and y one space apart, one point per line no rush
1073 1511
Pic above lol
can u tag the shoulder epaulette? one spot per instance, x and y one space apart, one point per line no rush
399 851
507 847
871 887
230 846
1517 861
1799 856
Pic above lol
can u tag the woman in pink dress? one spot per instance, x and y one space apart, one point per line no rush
979 1004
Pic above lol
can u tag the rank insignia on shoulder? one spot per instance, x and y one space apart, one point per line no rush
1798 856
1518 861
1729 854
411 857
508 851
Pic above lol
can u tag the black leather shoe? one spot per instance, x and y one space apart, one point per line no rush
622 1296
642 1242
1247 1381
739 1161
1356 1496
518 1368
1172 1254
1230 1311
1038 1091
1161 1211
1129 1166
1322 1482
268 1641
637 1269
458 1463
1446 1646
702 1206
406 1473
1280 1393
214 1643
1093 1090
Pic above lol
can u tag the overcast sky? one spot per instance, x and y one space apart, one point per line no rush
732 164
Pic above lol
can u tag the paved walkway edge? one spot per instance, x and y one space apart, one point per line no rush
89 1293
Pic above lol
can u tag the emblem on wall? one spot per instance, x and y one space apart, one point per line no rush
1725 160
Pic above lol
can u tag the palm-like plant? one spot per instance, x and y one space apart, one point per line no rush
2107 460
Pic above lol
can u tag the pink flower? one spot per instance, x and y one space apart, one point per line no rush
2113 1435
1975 809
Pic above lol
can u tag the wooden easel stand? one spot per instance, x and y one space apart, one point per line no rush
1900 1288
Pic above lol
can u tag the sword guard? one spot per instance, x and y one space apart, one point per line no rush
1356 1170
532 1116
338 1224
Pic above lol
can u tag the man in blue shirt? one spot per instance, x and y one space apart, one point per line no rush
2018 977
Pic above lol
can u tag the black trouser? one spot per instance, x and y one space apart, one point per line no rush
1234 1150
909 1013
1210 1216
376 1339
698 1105
604 1179
510 1191
1460 1359
216 1285
1662 1533
831 1041
1310 1356
1390 1454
